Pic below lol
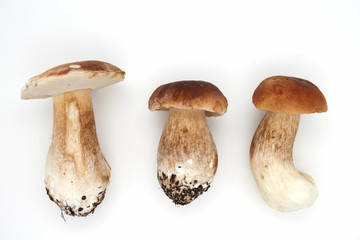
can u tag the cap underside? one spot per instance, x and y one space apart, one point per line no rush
72 76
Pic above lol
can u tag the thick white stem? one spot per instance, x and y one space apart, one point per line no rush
187 156
281 185
77 173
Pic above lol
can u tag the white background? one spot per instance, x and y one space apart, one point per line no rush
234 45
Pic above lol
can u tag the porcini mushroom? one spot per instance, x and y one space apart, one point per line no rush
76 173
285 98
187 157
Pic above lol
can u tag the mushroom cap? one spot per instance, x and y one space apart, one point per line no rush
189 95
289 95
72 76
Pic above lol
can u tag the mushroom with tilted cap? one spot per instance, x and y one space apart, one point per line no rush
76 173
187 157
285 98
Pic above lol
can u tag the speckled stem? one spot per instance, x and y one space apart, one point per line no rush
77 173
187 156
281 185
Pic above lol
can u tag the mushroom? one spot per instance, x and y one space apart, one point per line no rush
187 157
285 98
76 173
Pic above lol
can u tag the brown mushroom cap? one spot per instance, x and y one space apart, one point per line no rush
70 77
189 95
289 95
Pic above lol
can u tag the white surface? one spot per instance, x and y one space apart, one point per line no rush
234 45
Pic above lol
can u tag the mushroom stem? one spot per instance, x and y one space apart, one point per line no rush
187 156
281 185
77 173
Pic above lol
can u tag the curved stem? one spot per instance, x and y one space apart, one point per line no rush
281 185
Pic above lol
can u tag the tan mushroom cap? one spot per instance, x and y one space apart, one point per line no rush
72 76
289 95
189 95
